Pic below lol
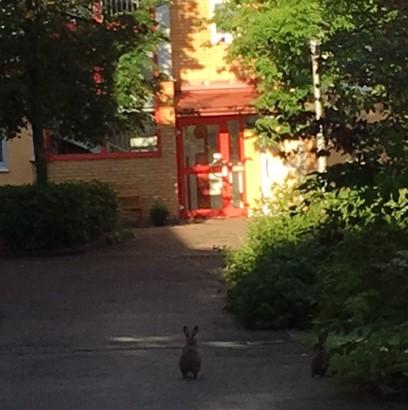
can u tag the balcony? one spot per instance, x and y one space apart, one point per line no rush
114 7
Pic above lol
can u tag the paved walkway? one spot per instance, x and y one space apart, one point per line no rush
102 331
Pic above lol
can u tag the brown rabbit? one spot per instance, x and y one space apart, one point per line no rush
320 359
190 361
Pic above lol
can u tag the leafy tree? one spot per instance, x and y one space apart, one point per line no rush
363 69
69 67
369 64
348 268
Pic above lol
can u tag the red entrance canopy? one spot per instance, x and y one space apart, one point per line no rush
215 101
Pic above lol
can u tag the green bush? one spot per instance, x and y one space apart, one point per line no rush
271 280
337 258
363 286
365 279
373 355
279 293
158 214
56 216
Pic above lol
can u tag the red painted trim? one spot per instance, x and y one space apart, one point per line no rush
212 113
103 156
180 164
212 86
227 211
242 160
191 110
201 169
204 213
211 213
198 120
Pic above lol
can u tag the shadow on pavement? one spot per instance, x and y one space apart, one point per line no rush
102 330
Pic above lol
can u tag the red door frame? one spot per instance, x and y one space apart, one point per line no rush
224 147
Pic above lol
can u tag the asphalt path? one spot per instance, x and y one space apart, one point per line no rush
103 331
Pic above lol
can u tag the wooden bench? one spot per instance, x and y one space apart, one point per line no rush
131 208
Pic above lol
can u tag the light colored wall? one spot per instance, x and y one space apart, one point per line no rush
253 181
20 167
195 59
265 168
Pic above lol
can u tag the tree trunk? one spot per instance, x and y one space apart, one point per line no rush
35 106
41 168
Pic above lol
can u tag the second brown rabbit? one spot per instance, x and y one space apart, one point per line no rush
320 360
190 360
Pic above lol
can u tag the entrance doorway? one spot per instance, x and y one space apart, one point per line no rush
211 168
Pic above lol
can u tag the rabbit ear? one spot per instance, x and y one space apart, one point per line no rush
185 331
195 331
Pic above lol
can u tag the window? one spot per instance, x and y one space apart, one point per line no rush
3 154
63 145
217 35
113 7
144 139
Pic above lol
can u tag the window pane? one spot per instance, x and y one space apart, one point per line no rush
144 139
212 141
194 145
3 152
236 188
61 145
233 130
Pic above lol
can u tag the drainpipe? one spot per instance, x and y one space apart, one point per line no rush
320 142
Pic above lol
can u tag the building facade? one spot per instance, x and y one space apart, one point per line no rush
199 157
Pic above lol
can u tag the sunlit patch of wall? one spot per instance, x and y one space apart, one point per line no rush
17 169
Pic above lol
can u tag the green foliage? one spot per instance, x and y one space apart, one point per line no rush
363 289
271 41
337 258
364 51
63 70
357 249
373 355
158 214
57 215
271 280
364 279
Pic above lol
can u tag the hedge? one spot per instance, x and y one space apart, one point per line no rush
56 216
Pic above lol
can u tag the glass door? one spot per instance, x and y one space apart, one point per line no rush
210 168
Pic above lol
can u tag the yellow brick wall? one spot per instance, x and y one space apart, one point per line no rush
253 180
20 168
195 59
148 178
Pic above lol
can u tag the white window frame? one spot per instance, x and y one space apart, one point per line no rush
4 160
218 36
